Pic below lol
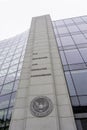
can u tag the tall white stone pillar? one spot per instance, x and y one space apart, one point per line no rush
42 100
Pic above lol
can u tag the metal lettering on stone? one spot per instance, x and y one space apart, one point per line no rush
41 106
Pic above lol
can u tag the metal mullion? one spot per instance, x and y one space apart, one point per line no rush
13 85
70 70
76 45
15 79
7 71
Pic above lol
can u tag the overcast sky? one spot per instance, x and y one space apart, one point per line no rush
15 15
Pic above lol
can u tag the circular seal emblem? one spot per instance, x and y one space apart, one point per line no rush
41 106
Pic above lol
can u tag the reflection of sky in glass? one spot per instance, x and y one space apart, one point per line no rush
71 36
73 56
80 81
11 59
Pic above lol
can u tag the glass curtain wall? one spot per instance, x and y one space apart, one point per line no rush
11 59
71 37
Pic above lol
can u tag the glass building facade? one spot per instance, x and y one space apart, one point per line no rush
71 36
11 59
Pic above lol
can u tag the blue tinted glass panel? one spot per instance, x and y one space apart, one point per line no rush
12 69
67 41
62 30
7 88
77 20
60 23
79 39
83 27
83 100
84 18
77 66
3 73
83 52
85 34
73 56
80 81
4 101
73 28
10 78
68 21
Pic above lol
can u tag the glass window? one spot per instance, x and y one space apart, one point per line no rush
62 30
67 41
10 54
84 53
4 101
68 21
19 46
7 88
82 27
84 18
3 114
13 62
70 84
84 124
1 62
60 23
2 57
10 78
79 126
73 28
13 48
73 56
3 72
80 81
2 80
12 69
18 50
83 100
77 20
85 34
7 60
16 56
77 66
79 39
5 66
